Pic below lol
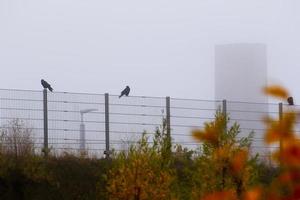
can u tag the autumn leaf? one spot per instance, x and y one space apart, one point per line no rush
208 135
253 194
290 154
238 161
276 91
280 129
222 153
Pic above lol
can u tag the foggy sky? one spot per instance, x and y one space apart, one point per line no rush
158 47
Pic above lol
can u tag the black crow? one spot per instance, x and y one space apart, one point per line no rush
290 101
125 91
46 85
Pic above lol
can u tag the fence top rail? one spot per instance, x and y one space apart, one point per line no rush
19 90
81 93
197 100
150 97
58 92
252 102
139 96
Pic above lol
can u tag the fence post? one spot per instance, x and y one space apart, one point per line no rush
224 107
280 119
45 110
168 121
107 152
224 111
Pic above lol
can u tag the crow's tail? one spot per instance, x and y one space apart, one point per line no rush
51 89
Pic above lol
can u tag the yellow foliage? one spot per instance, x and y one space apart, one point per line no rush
209 135
238 161
287 185
276 91
289 155
140 175
280 129
226 161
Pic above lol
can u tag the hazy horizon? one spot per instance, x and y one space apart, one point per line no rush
158 48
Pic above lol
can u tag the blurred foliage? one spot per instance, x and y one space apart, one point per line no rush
279 184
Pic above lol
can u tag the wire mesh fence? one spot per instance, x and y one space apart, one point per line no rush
76 121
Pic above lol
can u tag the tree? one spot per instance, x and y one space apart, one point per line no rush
143 172
224 163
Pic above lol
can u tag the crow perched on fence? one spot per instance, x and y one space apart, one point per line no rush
46 85
290 101
125 91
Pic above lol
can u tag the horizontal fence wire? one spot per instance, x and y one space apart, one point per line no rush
71 114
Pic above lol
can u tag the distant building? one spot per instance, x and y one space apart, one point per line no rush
240 75
240 72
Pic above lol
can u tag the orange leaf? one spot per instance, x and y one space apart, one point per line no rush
280 129
253 194
276 91
222 153
239 160
208 135
290 154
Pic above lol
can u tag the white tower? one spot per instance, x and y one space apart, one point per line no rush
240 75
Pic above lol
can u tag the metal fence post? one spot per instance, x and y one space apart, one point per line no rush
168 123
168 117
45 110
107 152
224 111
224 107
280 119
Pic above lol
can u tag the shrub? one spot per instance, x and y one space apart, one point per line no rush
224 163
15 139
144 171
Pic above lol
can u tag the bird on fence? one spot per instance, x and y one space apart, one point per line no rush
125 92
290 101
46 85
